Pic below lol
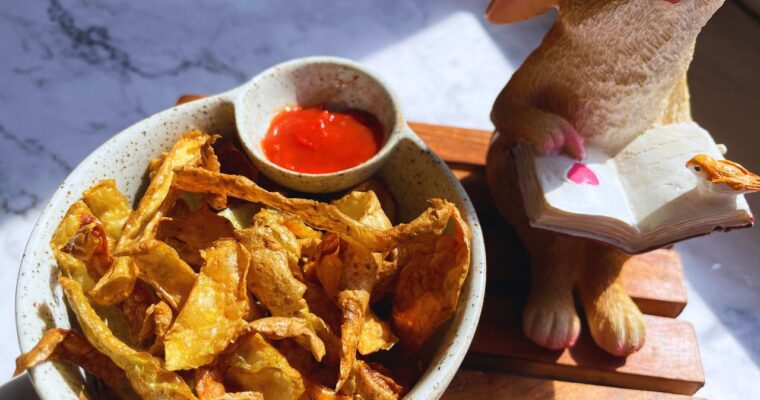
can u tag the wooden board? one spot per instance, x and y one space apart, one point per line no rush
469 384
668 362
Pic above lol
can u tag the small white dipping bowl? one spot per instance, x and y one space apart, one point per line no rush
315 81
412 172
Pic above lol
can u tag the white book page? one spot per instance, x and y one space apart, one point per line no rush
606 199
653 171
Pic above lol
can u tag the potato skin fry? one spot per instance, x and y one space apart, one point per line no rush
376 335
359 272
276 328
67 228
433 271
117 283
159 197
210 386
66 345
161 267
214 310
384 196
158 319
109 206
371 384
257 366
272 270
313 213
210 161
145 373
271 279
90 245
188 232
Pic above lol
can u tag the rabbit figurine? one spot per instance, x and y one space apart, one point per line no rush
606 71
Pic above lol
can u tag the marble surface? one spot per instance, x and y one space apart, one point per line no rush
74 72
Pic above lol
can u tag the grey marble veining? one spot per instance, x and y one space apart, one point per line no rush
75 72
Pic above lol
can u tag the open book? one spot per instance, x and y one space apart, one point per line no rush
642 198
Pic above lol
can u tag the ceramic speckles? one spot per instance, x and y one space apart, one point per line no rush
412 171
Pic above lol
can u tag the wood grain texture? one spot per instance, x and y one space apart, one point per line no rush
470 384
655 280
668 362
455 145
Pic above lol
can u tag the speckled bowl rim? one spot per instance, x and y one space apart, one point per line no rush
456 335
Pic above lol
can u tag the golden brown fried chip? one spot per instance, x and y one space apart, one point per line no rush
368 383
241 214
209 385
67 228
144 372
364 207
161 267
214 310
383 194
210 162
155 164
321 305
387 273
270 278
317 391
273 234
357 279
190 231
328 267
259 367
90 245
358 272
65 345
433 270
276 328
118 282
316 214
159 197
376 335
134 309
291 222
158 319
109 206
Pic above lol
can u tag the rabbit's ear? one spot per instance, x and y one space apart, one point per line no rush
504 11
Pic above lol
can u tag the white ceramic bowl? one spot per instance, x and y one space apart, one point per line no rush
412 171
309 82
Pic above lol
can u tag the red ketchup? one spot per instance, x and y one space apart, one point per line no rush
581 174
316 140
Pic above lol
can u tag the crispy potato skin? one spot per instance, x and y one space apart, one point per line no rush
268 297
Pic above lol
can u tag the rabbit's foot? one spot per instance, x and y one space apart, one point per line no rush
616 324
550 320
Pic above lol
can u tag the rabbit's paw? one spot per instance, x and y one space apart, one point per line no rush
616 324
550 133
550 320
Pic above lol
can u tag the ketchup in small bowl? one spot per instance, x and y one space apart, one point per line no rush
317 140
